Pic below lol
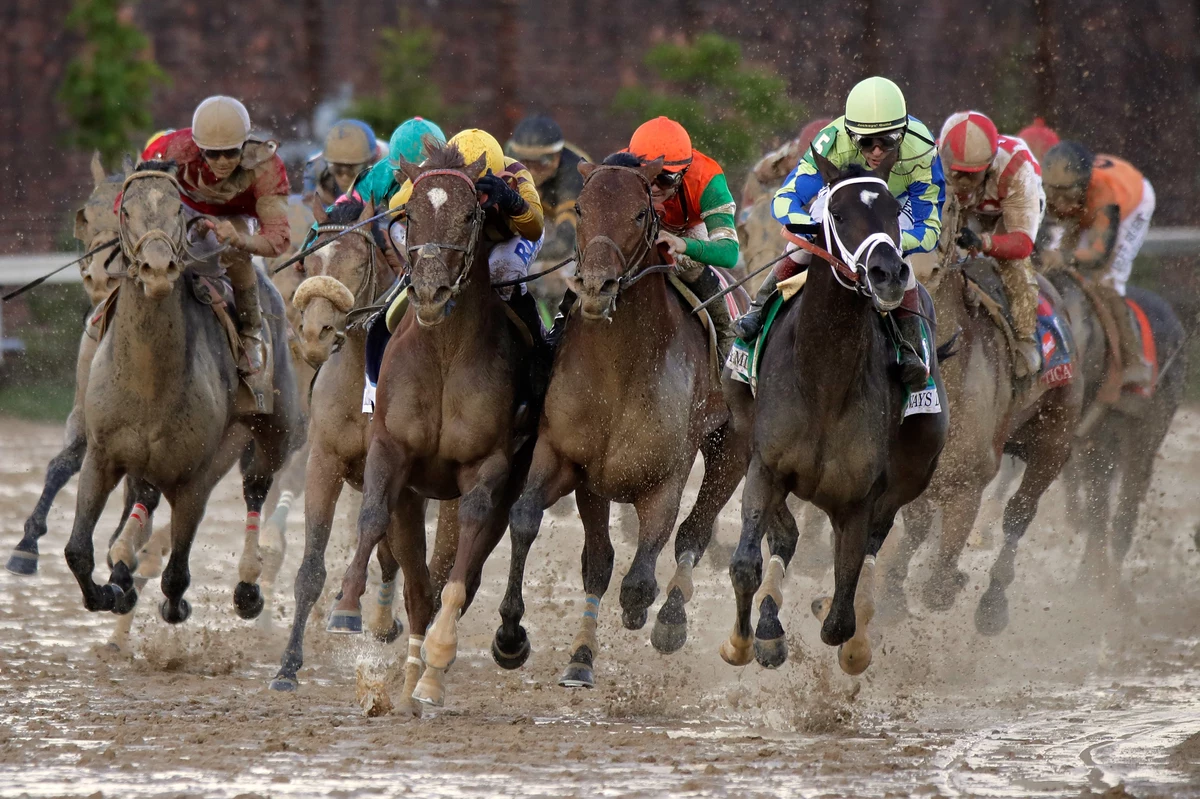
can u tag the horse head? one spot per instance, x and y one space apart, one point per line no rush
340 277
95 224
152 225
444 223
861 226
616 230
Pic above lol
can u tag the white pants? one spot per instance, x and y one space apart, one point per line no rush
508 260
1131 235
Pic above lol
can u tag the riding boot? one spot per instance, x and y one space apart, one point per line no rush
706 286
1137 370
914 366
253 365
541 358
1021 287
554 334
750 323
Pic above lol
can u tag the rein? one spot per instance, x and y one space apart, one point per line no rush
629 265
431 250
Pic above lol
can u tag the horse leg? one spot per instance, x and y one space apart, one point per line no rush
855 654
380 620
257 477
385 475
817 558
762 495
406 541
141 500
323 485
550 478
723 470
96 482
959 512
770 644
1097 486
918 523
1137 453
63 466
187 509
850 534
657 511
481 486
445 547
597 565
1048 452
284 491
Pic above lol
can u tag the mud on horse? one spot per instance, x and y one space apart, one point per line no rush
161 405
633 397
445 422
829 424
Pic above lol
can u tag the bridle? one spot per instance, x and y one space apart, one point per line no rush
368 288
132 250
631 266
431 250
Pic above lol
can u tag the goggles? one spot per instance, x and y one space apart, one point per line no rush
230 154
885 141
669 180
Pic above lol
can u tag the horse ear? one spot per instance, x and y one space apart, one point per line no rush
98 176
652 169
477 166
829 172
884 170
319 215
368 211
411 171
81 225
127 165
585 168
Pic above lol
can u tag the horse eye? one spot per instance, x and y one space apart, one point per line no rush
641 215
578 212
837 218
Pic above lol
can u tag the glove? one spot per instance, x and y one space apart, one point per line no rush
499 194
969 240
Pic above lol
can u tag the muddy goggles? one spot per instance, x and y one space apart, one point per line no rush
885 141
222 155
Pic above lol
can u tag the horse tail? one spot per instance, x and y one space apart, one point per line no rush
950 348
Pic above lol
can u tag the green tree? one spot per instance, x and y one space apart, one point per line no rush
729 109
406 55
107 86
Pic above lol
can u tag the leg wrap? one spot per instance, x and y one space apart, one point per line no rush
772 584
587 625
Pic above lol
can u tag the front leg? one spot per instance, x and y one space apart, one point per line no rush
96 482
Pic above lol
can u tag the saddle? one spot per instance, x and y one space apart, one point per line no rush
1113 389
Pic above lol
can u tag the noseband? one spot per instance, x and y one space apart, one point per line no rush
432 251
630 273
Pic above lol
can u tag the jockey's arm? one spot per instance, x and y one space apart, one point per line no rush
527 222
274 233
798 190
716 209
1099 239
1021 212
926 193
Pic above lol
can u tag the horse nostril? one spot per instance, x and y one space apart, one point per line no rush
326 332
442 295
609 286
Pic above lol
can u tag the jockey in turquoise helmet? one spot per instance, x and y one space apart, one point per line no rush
380 182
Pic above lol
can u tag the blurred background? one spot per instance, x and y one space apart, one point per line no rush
743 77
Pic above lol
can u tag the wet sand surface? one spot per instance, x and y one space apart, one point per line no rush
1073 699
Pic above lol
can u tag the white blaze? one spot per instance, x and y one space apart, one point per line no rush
868 197
437 197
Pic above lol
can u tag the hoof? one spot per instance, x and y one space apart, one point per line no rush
519 654
820 607
578 673
391 635
429 690
991 617
670 627
736 654
284 683
175 616
125 601
941 591
854 656
770 646
344 622
634 619
22 563
247 600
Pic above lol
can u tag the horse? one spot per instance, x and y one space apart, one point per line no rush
1117 442
632 398
992 415
341 279
829 424
161 408
446 422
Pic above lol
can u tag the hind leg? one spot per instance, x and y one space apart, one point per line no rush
1138 450
850 546
380 620
723 470
657 511
187 509
62 467
284 490
918 523
770 645
1093 523
762 496
959 512
597 565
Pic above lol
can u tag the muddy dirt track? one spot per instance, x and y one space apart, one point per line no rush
1072 700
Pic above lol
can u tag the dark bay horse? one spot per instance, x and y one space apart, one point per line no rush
829 424
991 417
161 404
445 423
633 397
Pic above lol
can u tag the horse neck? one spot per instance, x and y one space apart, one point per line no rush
836 328
152 337
640 328
467 325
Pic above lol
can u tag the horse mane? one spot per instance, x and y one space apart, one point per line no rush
855 171
445 156
156 166
623 159
346 212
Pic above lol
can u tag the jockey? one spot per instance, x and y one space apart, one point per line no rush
350 149
379 183
1105 205
696 213
878 132
222 172
537 142
1038 137
996 204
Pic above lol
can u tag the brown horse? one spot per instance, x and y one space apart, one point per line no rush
160 405
633 397
444 424
342 278
829 423
991 417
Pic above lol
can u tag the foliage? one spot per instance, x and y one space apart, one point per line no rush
107 86
40 383
729 109
406 57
